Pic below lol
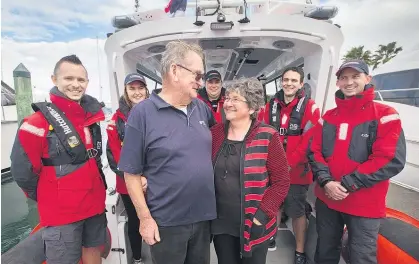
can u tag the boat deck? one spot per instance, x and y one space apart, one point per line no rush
399 198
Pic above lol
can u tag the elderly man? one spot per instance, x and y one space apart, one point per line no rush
167 139
357 147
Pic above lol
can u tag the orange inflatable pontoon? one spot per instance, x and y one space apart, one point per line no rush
398 239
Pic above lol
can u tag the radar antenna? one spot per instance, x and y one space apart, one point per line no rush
137 5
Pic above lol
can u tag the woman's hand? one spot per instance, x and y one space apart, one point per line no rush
144 183
256 222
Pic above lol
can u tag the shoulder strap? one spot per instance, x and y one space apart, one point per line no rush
274 113
296 118
120 128
65 132
96 132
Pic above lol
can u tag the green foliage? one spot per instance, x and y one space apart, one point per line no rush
382 55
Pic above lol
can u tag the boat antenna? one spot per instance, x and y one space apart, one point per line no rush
137 5
98 66
197 22
245 19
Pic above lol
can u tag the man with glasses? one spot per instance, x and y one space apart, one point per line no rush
168 141
213 94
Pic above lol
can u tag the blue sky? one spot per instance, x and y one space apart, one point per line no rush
40 32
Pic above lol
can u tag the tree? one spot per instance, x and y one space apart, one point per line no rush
382 55
385 53
358 53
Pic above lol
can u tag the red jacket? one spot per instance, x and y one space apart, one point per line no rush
65 193
116 130
361 144
296 146
264 180
219 114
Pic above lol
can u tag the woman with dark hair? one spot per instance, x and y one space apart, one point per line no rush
135 91
251 177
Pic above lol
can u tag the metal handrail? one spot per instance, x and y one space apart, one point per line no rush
396 90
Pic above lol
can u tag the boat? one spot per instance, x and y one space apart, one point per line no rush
253 38
397 84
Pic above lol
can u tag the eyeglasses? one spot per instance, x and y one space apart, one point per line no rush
198 76
234 100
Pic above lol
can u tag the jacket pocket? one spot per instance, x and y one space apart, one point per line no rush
363 136
257 231
73 189
53 243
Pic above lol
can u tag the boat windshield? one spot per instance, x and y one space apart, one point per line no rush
399 87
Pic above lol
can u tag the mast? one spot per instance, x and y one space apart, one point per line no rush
137 5
98 66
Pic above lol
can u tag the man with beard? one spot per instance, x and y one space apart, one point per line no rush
213 94
294 114
56 161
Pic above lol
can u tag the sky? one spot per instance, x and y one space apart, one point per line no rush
38 33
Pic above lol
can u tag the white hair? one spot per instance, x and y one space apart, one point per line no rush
176 52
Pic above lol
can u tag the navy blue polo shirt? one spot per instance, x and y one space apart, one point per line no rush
173 150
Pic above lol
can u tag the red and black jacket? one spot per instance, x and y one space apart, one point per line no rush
219 115
361 144
264 181
294 121
56 159
116 131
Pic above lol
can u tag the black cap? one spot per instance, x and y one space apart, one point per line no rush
213 74
132 77
358 65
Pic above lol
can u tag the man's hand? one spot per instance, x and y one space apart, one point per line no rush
144 183
256 222
149 230
335 191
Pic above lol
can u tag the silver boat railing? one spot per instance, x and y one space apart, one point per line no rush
396 90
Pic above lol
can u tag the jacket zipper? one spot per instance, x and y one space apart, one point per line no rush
242 198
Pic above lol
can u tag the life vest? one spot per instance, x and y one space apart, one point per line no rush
76 152
295 124
120 127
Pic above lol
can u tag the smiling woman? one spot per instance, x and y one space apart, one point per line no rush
259 189
243 98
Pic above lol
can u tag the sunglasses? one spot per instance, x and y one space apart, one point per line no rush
198 76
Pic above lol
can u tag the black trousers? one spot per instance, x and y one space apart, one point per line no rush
185 244
362 235
135 238
228 251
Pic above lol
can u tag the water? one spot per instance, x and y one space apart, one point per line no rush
19 215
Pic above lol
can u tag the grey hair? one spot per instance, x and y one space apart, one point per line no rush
252 90
176 52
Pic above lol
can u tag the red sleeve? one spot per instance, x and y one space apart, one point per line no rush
279 179
388 156
27 152
317 162
311 116
113 148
